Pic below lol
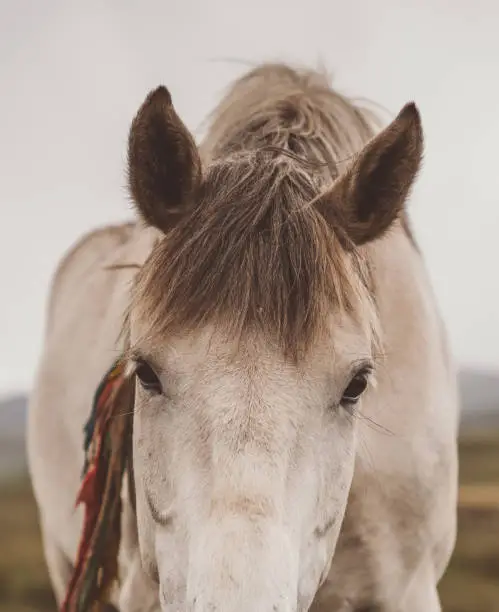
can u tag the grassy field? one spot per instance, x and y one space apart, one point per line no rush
470 585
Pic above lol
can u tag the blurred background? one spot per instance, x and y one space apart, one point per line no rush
73 75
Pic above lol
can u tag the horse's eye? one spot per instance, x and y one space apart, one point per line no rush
355 389
148 378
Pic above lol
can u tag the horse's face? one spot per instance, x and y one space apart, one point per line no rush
243 446
243 464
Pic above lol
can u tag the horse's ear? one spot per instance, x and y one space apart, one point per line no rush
164 167
365 201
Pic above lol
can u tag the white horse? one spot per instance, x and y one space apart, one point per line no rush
296 409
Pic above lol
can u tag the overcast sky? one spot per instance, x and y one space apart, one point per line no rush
72 75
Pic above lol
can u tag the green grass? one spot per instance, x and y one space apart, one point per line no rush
479 458
471 583
24 585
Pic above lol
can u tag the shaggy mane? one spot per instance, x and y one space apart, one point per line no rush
254 253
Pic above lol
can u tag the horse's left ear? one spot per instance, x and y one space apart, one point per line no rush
370 195
164 166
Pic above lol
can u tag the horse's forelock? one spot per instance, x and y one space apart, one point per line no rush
255 253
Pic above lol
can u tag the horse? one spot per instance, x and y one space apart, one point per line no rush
295 406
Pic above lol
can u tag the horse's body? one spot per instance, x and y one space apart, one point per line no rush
398 530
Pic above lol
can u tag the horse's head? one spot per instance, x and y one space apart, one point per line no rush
254 336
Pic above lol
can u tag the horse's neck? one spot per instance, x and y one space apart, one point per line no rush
400 276
410 319
136 250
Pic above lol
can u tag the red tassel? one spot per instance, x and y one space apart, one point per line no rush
100 492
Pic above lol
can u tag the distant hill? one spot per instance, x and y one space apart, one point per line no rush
13 416
12 430
479 394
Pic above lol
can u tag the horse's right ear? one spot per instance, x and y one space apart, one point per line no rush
371 194
164 167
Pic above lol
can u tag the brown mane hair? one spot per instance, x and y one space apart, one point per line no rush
253 252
